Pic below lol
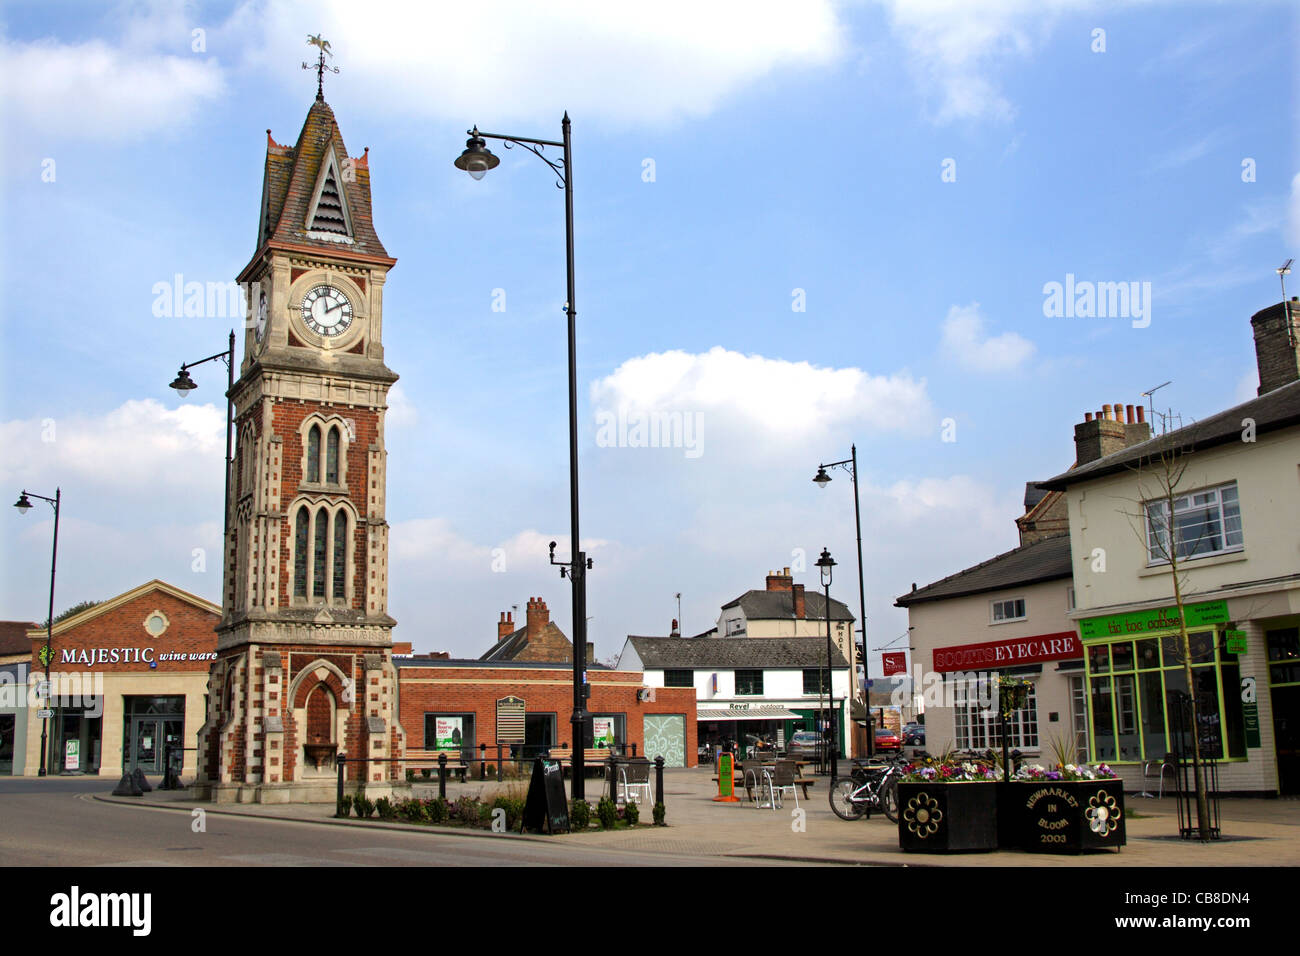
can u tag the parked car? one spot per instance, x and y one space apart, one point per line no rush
803 745
914 735
886 739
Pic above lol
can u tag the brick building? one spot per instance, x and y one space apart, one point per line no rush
540 639
458 705
128 677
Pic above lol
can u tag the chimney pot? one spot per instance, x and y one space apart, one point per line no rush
1128 410
1141 414
1087 416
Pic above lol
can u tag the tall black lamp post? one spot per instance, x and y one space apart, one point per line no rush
822 479
477 160
184 385
825 564
47 652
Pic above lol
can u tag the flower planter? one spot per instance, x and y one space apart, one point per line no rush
947 817
1062 816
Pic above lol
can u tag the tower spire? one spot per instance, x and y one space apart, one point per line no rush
319 66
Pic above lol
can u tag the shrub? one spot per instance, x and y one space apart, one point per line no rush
607 813
426 772
344 805
660 811
437 809
580 815
631 813
365 808
513 807
387 811
410 775
466 810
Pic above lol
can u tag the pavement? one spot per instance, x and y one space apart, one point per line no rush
1256 831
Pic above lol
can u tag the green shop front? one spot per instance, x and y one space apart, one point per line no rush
1138 690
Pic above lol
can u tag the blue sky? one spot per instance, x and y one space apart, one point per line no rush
911 173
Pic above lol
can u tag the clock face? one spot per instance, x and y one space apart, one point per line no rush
327 311
260 329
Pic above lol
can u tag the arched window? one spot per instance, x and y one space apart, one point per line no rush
332 457
319 553
300 542
340 554
313 455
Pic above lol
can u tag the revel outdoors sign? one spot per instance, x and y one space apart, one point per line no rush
1198 616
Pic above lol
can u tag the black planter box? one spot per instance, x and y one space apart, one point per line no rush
1061 816
947 817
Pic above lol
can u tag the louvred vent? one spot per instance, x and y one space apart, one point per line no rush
329 210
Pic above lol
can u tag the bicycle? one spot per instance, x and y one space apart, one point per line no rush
869 788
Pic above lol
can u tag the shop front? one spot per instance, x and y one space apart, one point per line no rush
128 684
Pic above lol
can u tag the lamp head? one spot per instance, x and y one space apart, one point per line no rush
23 504
821 477
825 563
477 159
183 384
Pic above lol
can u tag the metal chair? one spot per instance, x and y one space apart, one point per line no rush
1161 765
783 776
634 781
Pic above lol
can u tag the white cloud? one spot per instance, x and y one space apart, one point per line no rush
965 340
94 90
507 60
956 47
775 396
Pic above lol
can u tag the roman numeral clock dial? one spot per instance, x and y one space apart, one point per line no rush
327 311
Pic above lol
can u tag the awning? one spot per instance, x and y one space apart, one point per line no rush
767 712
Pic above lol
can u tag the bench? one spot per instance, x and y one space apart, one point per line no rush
594 758
428 759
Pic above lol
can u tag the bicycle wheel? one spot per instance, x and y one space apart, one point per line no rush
842 801
889 799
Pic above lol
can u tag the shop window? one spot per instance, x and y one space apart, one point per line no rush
1203 523
610 731
814 680
976 720
1103 720
1284 656
679 678
749 683
450 731
1079 717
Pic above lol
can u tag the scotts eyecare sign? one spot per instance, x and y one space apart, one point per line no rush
1022 650
894 663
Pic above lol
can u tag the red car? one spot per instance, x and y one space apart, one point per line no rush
886 739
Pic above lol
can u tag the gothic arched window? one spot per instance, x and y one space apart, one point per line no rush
300 553
319 554
313 455
332 457
340 554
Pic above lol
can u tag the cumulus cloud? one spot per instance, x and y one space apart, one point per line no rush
965 340
508 60
956 48
94 90
775 396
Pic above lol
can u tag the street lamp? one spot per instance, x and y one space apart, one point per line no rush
47 652
822 479
476 160
184 385
825 564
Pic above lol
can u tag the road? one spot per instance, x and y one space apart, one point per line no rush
59 823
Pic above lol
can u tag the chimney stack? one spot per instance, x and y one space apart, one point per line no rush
798 601
538 618
1277 344
1108 432
675 632
505 626
779 582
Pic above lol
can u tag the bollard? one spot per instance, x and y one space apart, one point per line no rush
339 760
634 749
498 763
611 771
442 775
126 786
659 779
482 761
138 777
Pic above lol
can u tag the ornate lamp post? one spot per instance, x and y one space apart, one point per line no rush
476 160
47 652
825 564
822 479
184 385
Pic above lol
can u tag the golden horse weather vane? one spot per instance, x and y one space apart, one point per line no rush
319 66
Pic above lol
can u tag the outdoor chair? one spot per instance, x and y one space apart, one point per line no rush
634 782
1159 766
783 779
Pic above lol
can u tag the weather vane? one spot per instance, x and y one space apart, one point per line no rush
319 66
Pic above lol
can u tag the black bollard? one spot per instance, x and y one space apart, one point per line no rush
482 761
611 771
659 779
339 761
498 763
139 780
442 775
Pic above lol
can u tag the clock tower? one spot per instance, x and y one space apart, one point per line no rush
304 666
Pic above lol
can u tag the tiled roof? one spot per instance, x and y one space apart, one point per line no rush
779 606
1271 411
290 182
729 652
1043 560
14 639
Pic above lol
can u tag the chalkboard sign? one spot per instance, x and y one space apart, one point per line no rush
546 807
